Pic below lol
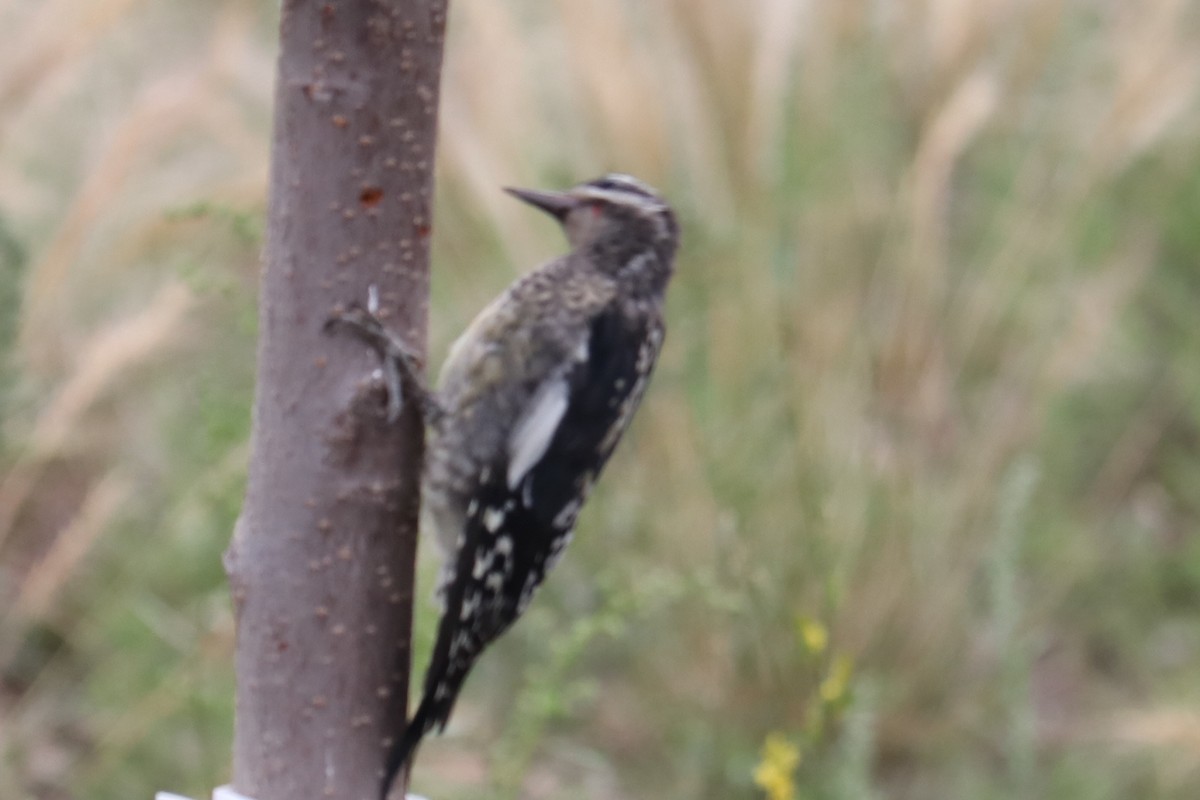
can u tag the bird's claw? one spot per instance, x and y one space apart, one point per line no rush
400 363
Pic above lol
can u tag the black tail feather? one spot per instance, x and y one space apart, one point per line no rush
403 750
443 680
431 713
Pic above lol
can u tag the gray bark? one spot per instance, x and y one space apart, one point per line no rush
321 562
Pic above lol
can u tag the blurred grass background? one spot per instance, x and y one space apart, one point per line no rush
912 509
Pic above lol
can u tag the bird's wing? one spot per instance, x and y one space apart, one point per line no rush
529 498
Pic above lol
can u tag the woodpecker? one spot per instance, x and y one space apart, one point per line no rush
530 404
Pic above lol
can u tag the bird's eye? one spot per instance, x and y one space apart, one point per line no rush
597 209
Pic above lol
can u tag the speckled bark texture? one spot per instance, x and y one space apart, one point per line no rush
321 562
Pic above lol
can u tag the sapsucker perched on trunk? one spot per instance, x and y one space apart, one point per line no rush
532 400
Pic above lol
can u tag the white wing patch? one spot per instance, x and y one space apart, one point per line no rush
535 429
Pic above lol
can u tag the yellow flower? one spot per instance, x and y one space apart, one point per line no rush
834 687
776 772
813 634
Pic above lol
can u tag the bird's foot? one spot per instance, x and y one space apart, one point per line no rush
401 364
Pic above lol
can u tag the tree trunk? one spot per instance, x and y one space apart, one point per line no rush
321 562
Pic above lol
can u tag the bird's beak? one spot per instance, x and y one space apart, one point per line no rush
556 204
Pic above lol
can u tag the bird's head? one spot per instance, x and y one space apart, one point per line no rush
615 215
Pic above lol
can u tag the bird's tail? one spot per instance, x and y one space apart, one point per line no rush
433 712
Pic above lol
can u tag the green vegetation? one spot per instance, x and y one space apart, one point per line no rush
912 509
